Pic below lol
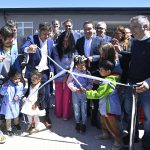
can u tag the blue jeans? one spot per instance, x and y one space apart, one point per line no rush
144 100
80 107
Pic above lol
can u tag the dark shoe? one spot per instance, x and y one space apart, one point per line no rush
18 127
29 128
146 148
47 123
77 127
83 128
126 140
10 133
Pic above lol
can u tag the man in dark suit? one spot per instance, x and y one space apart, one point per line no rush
88 46
37 48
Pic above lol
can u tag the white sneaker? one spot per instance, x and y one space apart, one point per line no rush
2 138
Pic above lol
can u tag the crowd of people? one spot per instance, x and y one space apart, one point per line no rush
123 57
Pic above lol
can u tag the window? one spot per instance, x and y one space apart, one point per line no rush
25 29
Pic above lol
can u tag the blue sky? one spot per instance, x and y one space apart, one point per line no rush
72 3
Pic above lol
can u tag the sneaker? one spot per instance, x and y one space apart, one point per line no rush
83 128
29 128
18 127
10 133
103 136
34 130
77 127
116 146
2 139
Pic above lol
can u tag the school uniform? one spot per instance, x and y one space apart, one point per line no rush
10 108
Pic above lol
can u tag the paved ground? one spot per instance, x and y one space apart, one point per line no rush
62 136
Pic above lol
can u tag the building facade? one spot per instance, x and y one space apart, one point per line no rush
28 19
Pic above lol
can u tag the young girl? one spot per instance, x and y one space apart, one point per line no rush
35 104
78 94
12 92
109 103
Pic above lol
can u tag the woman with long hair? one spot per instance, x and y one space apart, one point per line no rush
62 54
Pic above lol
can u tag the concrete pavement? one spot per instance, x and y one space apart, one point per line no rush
62 136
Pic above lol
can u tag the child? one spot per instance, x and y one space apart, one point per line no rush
35 104
12 92
78 94
109 104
